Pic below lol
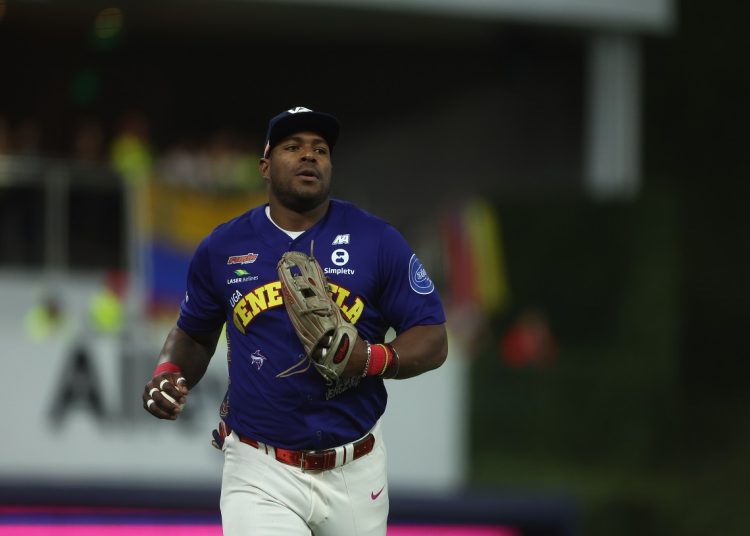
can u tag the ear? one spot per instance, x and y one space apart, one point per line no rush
263 166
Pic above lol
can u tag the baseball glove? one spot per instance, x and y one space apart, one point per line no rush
327 336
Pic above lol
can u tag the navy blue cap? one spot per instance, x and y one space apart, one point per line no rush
301 119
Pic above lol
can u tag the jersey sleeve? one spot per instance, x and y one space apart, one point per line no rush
201 309
408 295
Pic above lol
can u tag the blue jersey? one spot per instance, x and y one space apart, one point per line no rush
275 395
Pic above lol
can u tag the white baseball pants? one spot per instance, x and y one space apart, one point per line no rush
261 496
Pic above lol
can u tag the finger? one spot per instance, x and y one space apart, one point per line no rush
175 388
319 353
165 404
182 385
148 391
149 387
152 406
173 391
179 402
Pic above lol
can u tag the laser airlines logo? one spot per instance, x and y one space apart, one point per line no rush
242 277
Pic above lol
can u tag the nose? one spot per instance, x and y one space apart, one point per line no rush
308 154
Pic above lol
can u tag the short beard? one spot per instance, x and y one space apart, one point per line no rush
296 202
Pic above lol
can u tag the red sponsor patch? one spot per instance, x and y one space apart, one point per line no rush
342 349
242 259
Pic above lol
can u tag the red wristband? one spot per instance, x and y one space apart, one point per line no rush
167 366
381 357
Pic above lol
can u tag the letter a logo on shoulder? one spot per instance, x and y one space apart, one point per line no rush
299 109
340 239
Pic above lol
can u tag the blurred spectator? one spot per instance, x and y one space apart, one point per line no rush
5 136
529 341
27 139
88 141
224 163
177 165
106 307
45 319
221 154
246 171
131 152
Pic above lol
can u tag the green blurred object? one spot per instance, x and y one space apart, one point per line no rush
84 88
105 312
107 29
46 320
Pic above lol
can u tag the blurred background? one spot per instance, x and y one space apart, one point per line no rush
570 173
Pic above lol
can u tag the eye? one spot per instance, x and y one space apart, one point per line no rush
321 150
292 147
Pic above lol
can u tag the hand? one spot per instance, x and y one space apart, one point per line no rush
220 434
321 350
165 396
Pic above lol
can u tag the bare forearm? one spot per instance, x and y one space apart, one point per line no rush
191 354
420 349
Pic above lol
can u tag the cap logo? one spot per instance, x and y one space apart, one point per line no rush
299 109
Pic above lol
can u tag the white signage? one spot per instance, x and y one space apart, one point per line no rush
72 407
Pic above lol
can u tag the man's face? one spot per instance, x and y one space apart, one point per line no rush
298 171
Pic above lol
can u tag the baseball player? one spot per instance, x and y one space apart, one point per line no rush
300 429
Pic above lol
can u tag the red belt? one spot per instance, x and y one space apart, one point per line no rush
317 460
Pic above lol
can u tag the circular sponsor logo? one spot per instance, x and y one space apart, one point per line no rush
340 257
419 281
